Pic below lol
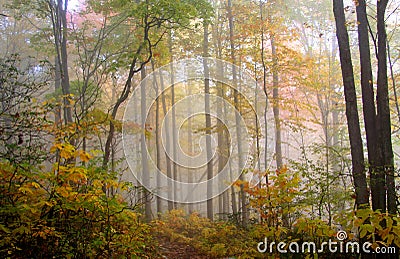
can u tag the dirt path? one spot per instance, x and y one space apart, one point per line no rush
170 250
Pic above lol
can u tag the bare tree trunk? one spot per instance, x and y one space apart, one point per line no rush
62 13
234 200
275 105
173 121
190 150
57 87
168 146
157 133
223 149
368 99
357 155
145 166
266 95
237 118
383 119
134 68
223 154
60 30
210 211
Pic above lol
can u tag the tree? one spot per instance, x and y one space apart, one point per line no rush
21 114
368 101
357 155
152 24
237 107
377 122
383 119
210 210
145 166
55 12
58 15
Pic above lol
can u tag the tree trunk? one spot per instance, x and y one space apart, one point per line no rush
223 149
208 124
275 105
63 33
353 125
237 118
145 45
383 119
167 146
190 150
266 96
368 98
57 87
223 153
173 120
145 166
157 136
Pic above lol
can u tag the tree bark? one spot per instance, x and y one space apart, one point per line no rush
368 98
173 120
275 105
223 149
244 212
190 149
145 166
167 145
353 125
383 119
134 68
57 87
210 211
60 30
157 133
62 9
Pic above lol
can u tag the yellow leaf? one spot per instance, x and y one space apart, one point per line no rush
35 184
397 242
55 147
25 189
97 183
67 151
84 156
64 191
77 175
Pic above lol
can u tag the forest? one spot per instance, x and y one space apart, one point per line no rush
199 129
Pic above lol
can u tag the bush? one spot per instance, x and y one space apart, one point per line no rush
65 213
210 239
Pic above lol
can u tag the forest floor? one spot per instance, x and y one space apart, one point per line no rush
175 250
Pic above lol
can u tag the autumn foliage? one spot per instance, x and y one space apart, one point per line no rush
64 212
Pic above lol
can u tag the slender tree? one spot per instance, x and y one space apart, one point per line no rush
157 133
275 104
210 211
368 101
383 118
243 202
168 145
173 115
145 166
58 13
356 147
